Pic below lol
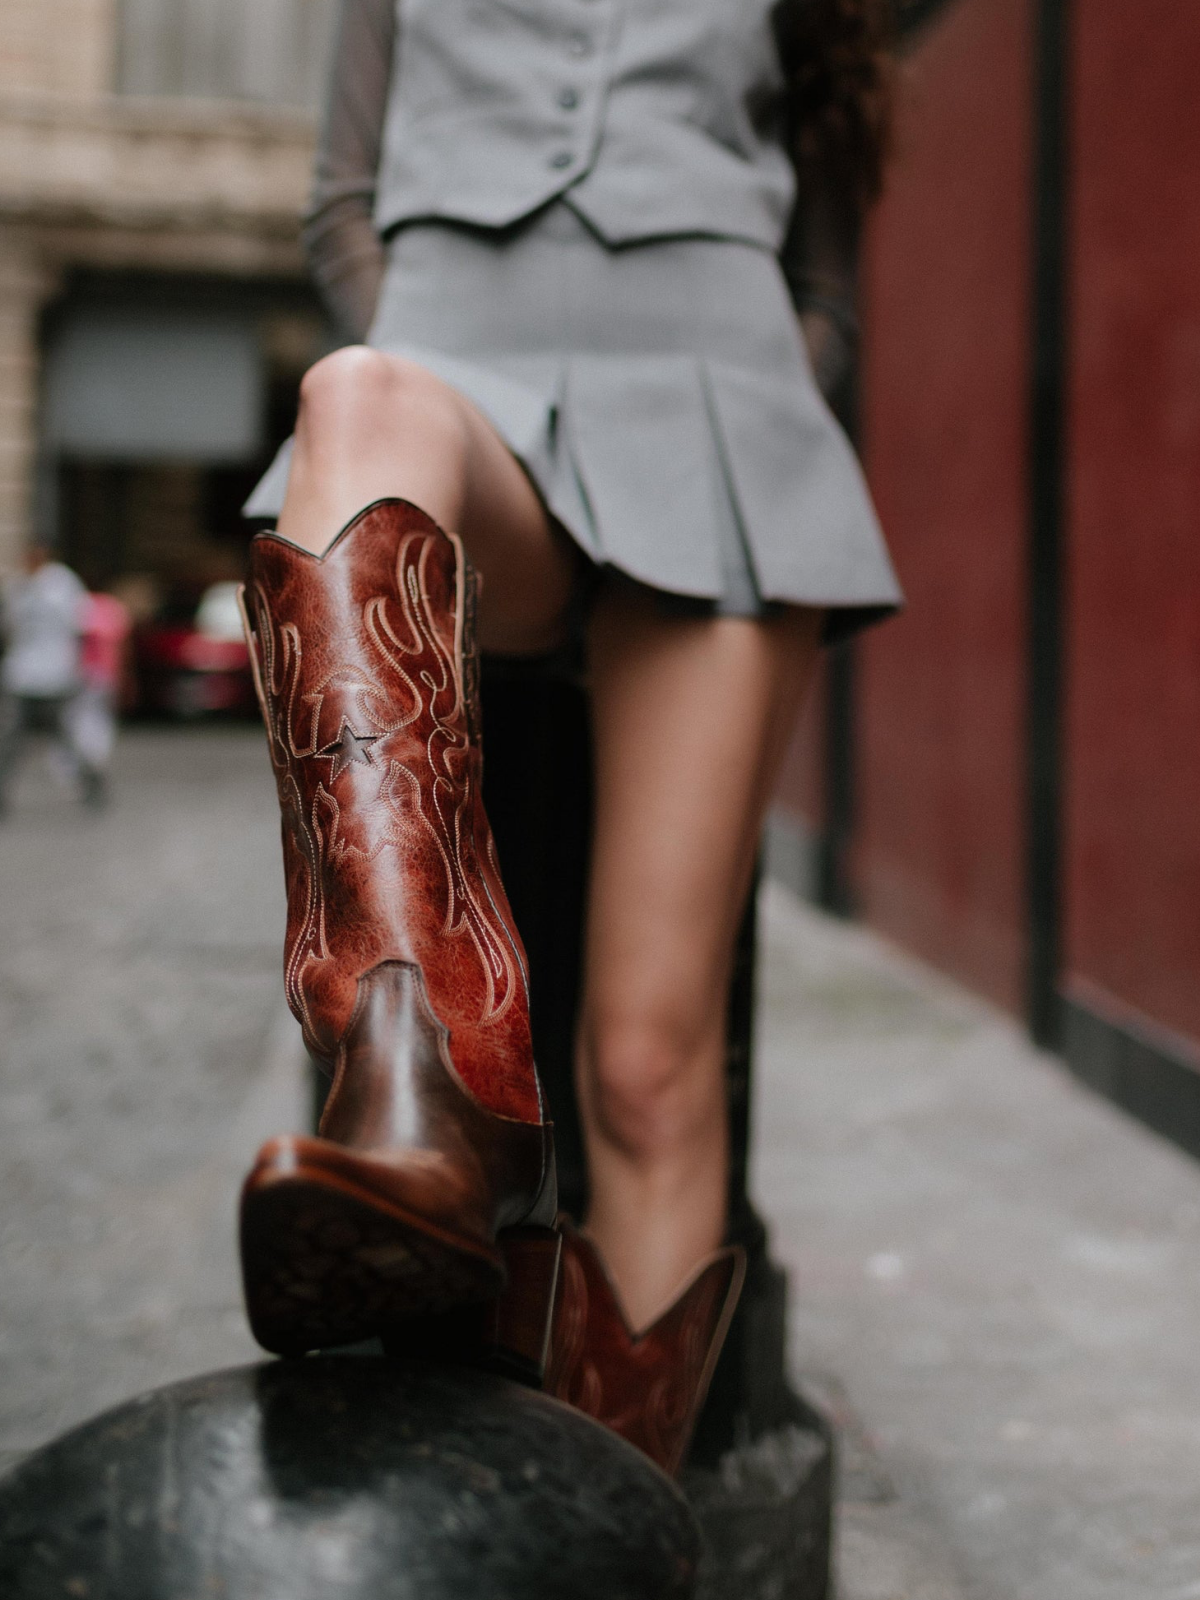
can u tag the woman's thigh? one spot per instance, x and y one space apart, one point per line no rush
373 426
691 721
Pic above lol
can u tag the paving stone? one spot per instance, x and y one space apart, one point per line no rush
999 1268
144 1057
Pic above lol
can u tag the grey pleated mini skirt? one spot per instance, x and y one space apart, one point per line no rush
660 397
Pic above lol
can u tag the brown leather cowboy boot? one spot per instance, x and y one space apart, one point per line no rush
434 1161
649 1387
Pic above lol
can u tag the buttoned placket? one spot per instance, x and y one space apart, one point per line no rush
580 45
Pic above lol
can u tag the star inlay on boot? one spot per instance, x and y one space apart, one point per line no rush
348 746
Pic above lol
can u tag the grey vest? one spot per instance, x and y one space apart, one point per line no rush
652 118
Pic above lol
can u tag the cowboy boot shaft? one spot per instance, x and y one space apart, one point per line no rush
434 1167
365 669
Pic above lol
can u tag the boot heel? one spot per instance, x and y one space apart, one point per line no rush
509 1335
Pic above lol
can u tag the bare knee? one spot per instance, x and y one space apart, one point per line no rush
653 1087
361 397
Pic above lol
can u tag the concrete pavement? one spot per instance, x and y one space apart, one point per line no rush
993 1273
999 1273
142 1055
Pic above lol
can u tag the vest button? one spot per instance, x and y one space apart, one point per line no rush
579 45
568 99
561 158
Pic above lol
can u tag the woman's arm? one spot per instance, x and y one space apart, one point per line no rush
345 253
819 258
837 61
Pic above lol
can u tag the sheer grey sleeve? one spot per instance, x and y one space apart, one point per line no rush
345 254
819 259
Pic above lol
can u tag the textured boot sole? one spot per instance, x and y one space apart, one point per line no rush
324 1265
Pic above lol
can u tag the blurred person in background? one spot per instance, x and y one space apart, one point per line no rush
92 715
562 245
44 611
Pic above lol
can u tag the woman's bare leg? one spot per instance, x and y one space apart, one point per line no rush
691 721
372 426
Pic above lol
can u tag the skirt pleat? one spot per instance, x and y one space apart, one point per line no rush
661 401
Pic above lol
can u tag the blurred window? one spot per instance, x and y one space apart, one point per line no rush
270 51
154 384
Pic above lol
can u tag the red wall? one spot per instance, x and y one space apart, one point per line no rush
940 738
1133 694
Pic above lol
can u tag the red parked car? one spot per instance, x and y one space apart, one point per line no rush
191 660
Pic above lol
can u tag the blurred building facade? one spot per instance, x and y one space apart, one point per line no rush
1007 778
154 158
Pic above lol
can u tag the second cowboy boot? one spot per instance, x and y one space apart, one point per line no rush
650 1386
432 1179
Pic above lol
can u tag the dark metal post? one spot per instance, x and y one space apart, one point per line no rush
835 890
537 783
1047 508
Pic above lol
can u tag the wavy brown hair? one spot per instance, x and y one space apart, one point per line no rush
838 60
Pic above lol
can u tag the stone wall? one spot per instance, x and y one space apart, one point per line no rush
25 284
94 178
59 47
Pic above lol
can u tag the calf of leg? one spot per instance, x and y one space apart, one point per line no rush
691 718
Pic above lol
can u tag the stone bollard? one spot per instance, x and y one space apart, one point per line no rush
343 1478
